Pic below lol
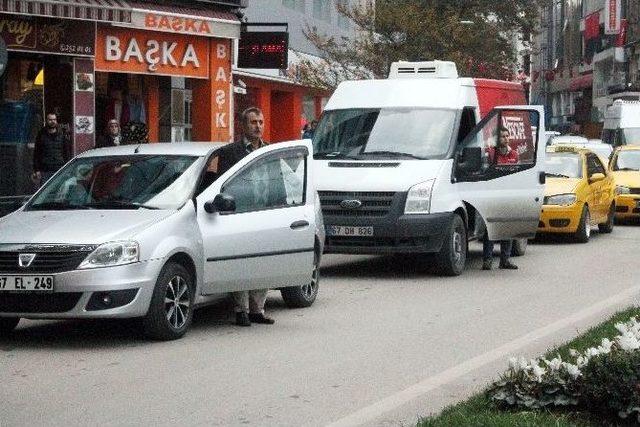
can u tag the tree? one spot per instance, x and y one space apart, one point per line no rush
478 35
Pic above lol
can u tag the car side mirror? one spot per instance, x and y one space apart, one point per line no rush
222 203
596 177
470 159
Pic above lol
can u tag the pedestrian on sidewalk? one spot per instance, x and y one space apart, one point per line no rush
52 149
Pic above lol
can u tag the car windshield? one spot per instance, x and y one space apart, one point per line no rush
602 150
120 182
631 136
627 161
386 133
563 165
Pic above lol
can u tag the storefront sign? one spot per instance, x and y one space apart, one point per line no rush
221 84
4 57
184 24
612 17
57 36
149 52
261 49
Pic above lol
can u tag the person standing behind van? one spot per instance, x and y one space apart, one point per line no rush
249 305
52 149
503 155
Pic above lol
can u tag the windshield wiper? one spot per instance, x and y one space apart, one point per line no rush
627 169
334 155
121 204
556 175
57 206
391 153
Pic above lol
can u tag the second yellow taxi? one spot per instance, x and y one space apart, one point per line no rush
625 168
579 194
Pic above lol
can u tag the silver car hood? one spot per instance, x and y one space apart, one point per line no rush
77 226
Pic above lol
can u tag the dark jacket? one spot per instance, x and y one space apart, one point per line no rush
231 154
51 151
107 141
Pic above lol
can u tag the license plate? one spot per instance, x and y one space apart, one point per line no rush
343 230
26 283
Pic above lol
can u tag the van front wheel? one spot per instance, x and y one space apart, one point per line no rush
453 255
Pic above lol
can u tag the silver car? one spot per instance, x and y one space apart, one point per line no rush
153 231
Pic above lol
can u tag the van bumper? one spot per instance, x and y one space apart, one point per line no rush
391 235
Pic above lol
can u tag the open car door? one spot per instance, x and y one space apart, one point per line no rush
499 170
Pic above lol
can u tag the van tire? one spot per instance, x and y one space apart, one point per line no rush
583 233
519 247
607 227
7 325
156 324
304 296
452 257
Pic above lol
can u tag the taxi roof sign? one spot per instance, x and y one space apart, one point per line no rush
566 149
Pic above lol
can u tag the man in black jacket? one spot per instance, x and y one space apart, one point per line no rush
249 305
51 151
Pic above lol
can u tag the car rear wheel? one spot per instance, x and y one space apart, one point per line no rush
607 227
584 227
304 296
8 324
171 309
519 247
453 255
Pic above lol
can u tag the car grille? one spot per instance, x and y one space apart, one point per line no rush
374 204
58 302
49 259
343 241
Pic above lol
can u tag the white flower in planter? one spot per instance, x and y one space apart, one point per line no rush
628 342
537 371
605 347
572 370
554 364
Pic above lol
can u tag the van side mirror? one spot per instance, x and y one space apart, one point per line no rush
222 203
470 160
596 177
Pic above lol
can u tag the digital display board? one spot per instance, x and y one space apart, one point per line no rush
264 49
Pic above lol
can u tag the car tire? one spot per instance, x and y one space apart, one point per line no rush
171 308
607 227
304 296
519 247
452 257
8 324
583 233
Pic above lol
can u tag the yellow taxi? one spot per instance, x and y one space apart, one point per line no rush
579 194
625 168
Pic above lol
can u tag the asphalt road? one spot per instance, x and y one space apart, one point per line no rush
387 341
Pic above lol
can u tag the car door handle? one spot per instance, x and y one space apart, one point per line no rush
299 224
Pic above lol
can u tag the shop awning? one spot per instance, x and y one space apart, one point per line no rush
93 10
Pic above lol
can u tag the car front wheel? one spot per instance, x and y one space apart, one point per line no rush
304 296
452 257
607 227
584 227
8 324
171 309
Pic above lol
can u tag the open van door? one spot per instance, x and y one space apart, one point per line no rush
499 170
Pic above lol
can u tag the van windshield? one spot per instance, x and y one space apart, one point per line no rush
120 182
384 133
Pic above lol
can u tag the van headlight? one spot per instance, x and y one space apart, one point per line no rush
112 254
560 199
419 198
621 189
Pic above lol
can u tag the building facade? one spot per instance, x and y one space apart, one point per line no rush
161 68
289 106
585 55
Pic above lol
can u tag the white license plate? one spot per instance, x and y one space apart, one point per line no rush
343 230
26 283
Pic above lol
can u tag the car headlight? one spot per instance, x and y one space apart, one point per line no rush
112 254
419 198
560 199
621 189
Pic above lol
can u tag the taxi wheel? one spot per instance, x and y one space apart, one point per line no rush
453 255
171 309
8 324
584 227
607 227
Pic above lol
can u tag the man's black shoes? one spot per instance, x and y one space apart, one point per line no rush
507 265
261 318
242 319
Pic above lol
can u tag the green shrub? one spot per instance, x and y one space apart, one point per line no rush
610 384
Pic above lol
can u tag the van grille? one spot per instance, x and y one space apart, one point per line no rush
374 204
51 259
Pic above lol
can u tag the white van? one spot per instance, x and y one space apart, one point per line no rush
622 123
406 164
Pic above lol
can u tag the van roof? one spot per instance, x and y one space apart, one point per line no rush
624 114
